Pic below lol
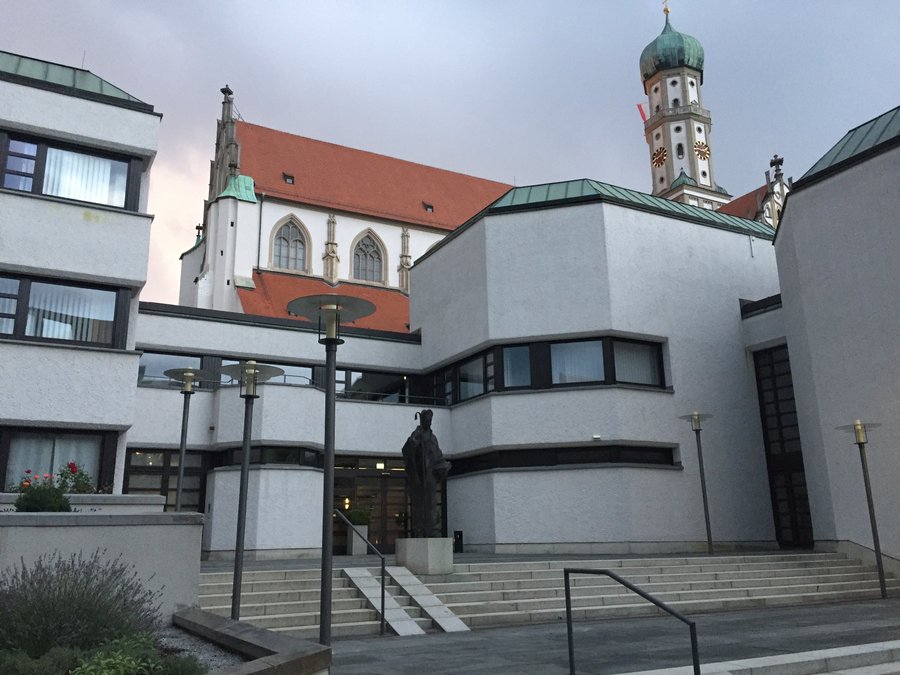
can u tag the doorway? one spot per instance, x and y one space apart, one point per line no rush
377 485
784 455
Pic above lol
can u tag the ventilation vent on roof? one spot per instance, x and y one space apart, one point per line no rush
288 178
429 208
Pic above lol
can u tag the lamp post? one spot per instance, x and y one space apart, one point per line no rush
696 419
858 429
188 377
330 310
249 374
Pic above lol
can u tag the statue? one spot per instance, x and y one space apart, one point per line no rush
425 469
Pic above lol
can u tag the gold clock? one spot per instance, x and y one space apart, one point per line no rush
702 150
659 157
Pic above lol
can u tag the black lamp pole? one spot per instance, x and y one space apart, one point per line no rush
331 341
248 393
187 389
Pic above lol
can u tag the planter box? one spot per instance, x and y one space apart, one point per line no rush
163 547
357 544
106 504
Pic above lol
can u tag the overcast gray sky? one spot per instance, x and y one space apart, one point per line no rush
521 91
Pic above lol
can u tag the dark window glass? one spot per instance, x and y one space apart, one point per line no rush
289 249
637 363
152 368
517 366
679 150
572 362
471 378
387 387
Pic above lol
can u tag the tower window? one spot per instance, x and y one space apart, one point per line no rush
656 89
662 179
676 102
679 151
699 130
677 129
674 83
691 83
703 173
656 109
657 136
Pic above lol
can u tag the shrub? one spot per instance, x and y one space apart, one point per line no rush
37 495
72 478
73 602
136 655
58 661
358 516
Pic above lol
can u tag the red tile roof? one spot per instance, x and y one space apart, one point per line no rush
274 290
341 178
745 206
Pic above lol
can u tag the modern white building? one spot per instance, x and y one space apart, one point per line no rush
75 156
556 377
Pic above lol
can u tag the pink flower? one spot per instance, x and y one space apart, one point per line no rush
46 475
26 484
27 470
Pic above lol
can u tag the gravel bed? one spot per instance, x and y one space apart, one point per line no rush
207 653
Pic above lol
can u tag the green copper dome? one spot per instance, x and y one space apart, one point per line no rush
671 50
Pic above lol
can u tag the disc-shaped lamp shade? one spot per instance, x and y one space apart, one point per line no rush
249 374
858 429
187 377
696 418
332 308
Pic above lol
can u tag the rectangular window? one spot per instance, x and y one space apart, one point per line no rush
41 168
55 311
637 362
471 378
152 368
46 452
516 366
574 362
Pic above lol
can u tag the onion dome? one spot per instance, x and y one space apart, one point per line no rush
671 50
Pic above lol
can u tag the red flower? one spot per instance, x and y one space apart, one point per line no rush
27 470
73 467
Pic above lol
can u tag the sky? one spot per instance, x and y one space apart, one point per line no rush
523 91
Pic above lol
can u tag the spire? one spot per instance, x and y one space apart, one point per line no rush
231 149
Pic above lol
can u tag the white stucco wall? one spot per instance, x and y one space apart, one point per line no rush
52 237
837 261
284 510
69 387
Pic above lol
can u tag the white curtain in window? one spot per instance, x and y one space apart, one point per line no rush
74 175
47 452
70 313
636 363
576 362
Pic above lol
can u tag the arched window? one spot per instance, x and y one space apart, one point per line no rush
679 151
367 260
289 248
676 102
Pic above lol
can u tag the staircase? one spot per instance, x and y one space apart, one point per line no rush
507 593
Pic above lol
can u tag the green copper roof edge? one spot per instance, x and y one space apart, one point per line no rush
240 187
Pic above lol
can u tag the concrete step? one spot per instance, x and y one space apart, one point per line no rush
261 609
291 620
261 575
274 596
250 586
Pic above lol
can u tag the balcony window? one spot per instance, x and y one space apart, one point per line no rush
51 311
517 366
39 167
45 452
637 362
471 378
152 368
573 362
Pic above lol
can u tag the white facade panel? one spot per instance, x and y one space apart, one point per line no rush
73 240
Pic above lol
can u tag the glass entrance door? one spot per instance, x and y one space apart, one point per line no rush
377 485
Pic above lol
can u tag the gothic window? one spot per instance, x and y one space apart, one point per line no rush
679 151
367 260
289 248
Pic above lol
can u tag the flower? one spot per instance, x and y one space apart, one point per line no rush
27 470
73 467
46 475
26 484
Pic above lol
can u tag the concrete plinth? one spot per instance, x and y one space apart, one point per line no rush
430 555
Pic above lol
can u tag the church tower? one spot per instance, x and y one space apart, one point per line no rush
678 126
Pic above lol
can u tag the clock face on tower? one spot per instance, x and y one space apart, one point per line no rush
659 157
702 150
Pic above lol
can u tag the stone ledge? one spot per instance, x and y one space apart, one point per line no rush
76 519
273 653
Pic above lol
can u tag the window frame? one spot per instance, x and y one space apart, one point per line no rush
132 174
302 260
382 255
122 301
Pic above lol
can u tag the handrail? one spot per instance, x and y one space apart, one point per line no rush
371 546
695 652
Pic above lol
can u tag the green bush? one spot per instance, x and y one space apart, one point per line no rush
73 479
58 661
358 516
73 602
42 496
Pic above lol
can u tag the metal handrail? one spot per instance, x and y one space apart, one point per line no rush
695 652
371 546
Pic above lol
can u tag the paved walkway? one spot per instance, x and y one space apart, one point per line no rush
620 646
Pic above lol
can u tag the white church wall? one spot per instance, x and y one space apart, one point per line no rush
837 250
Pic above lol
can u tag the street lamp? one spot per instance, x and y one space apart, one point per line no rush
330 310
858 429
696 418
249 374
188 377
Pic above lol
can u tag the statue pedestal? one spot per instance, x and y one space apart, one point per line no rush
428 555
